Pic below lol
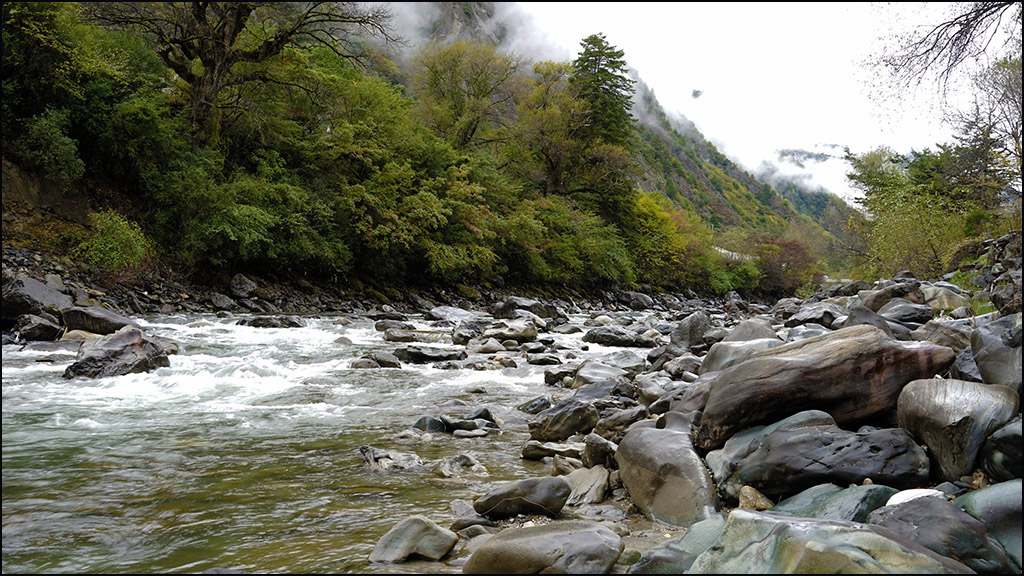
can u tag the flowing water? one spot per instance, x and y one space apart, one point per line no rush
244 453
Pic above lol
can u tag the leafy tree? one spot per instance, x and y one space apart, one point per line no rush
602 81
465 88
210 44
544 143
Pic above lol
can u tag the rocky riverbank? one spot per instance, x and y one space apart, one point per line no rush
738 437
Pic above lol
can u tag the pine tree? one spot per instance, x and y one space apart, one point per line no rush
600 74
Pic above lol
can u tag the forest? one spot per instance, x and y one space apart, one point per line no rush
289 140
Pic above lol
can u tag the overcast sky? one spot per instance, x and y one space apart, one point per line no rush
770 75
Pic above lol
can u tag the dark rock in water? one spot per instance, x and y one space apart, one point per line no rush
428 354
808 449
1001 454
816 374
999 509
414 536
386 360
430 424
689 334
572 547
535 406
953 418
614 336
378 459
546 496
30 296
567 417
763 543
273 322
127 351
941 526
95 319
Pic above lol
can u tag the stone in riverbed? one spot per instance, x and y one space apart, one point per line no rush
572 547
416 535
546 496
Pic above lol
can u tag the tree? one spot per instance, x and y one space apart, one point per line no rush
209 44
948 45
600 75
465 87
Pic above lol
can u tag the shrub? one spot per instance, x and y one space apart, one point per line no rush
114 244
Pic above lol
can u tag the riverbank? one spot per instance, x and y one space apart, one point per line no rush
646 428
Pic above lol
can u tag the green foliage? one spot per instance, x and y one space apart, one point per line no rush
114 244
601 76
44 146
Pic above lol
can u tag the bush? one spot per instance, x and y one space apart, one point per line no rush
115 244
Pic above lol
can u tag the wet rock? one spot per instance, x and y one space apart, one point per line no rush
95 319
567 417
1001 454
676 556
379 459
126 351
30 296
36 328
998 359
689 333
428 354
999 509
414 536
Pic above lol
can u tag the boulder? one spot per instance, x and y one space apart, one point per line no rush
30 296
941 526
997 352
414 536
808 449
831 502
545 496
567 417
953 418
95 319
571 547
999 509
664 475
126 351
764 543
855 374
1001 454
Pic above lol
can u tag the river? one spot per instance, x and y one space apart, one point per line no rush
244 453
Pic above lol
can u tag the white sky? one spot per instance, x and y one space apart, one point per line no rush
772 75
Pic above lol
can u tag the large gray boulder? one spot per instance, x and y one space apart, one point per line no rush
30 296
953 418
675 556
664 475
997 351
689 333
999 509
571 547
855 374
808 449
940 525
126 351
764 543
95 319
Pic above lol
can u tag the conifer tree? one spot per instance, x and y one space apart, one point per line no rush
600 74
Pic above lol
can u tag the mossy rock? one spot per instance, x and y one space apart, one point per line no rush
376 296
467 292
